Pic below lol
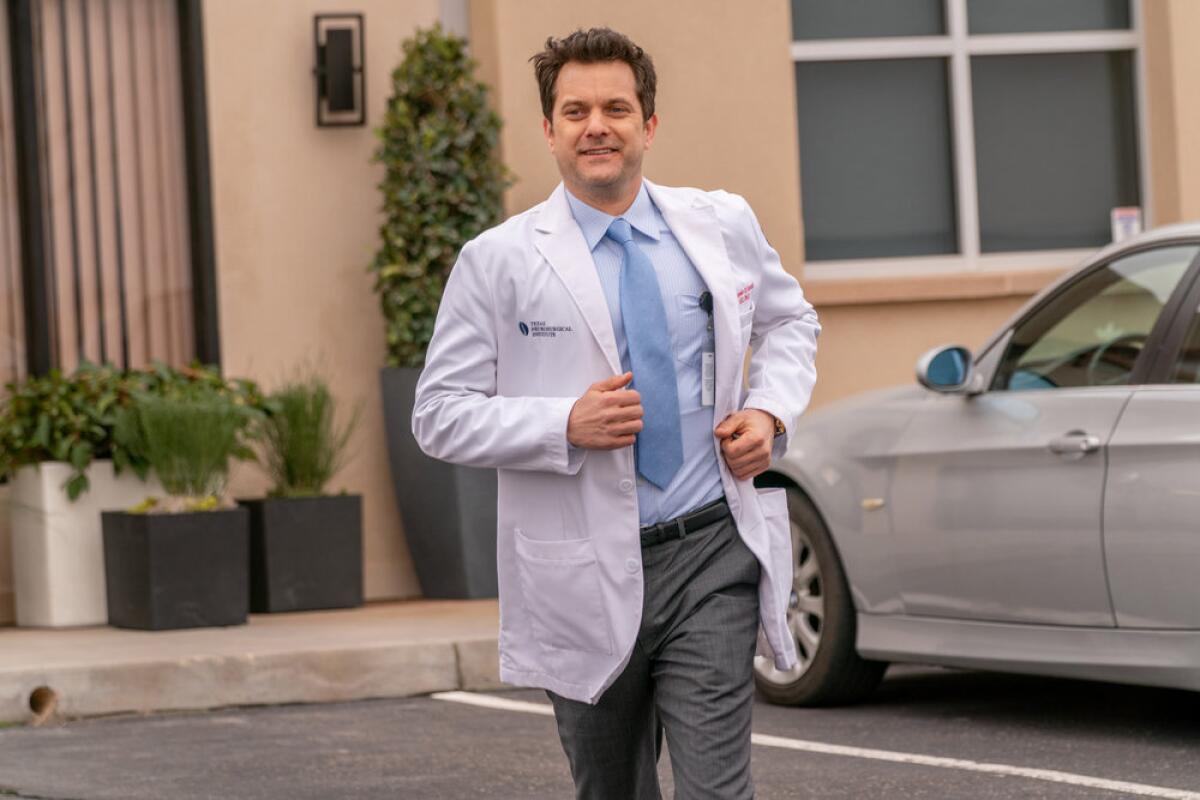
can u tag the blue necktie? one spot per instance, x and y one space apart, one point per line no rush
659 449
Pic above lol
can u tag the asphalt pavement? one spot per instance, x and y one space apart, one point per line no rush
927 733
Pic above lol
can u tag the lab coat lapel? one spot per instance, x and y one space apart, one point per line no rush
698 231
561 243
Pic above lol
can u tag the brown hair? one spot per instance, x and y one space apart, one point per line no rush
593 46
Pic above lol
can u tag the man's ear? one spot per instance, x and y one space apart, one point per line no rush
548 132
651 127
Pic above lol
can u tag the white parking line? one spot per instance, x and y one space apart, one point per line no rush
1054 776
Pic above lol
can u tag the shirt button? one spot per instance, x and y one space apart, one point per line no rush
626 485
631 565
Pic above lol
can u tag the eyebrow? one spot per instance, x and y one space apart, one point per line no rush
576 101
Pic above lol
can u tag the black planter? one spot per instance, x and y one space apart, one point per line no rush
449 512
305 553
165 571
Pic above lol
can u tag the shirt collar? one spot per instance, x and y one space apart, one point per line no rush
642 216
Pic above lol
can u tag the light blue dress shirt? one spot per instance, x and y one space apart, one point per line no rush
698 481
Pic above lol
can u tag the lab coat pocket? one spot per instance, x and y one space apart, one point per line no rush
560 582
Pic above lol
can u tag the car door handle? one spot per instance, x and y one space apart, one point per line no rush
1075 443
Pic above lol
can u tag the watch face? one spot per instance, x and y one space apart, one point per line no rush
779 429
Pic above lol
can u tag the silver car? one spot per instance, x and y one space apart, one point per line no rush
1031 508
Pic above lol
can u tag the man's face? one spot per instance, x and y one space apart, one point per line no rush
597 133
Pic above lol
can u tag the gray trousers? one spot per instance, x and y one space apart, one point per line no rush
690 675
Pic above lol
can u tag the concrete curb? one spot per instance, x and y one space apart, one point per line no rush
213 681
212 673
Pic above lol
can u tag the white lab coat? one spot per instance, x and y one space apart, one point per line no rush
522 331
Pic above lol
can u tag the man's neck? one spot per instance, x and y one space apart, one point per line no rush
613 205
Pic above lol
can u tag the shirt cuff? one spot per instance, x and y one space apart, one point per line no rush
575 457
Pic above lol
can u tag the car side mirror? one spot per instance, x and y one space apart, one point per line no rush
949 370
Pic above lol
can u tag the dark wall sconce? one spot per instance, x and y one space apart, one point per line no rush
341 81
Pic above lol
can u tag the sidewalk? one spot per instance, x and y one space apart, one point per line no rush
381 650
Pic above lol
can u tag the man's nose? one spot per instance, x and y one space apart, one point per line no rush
597 125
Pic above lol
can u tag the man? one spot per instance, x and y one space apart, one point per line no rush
591 349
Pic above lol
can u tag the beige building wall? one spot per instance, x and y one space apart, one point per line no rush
8 613
296 218
1174 96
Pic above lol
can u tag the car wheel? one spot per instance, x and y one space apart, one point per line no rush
821 618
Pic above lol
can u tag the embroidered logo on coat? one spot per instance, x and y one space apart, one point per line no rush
540 328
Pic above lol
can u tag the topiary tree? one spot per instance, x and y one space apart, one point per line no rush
443 185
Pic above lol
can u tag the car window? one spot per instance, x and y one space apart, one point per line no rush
1186 368
1092 332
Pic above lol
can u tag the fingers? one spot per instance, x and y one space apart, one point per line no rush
746 456
739 447
623 397
750 471
613 383
754 461
624 413
727 427
627 428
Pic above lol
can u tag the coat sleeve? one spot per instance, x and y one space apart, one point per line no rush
457 415
783 340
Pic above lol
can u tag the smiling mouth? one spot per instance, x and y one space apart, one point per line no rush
599 151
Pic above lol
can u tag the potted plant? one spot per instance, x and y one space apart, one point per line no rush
181 561
305 544
443 185
64 466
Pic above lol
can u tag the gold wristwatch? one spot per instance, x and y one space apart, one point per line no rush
780 430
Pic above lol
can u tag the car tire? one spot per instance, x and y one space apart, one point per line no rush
831 672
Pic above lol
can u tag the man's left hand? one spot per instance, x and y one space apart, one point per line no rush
746 437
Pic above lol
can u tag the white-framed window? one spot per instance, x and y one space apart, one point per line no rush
953 135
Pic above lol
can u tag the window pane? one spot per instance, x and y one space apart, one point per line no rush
853 19
1056 148
117 258
1027 16
1187 365
875 164
1092 333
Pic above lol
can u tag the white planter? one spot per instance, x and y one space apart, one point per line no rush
58 550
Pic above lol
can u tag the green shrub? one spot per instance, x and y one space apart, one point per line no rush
74 418
443 184
55 417
303 447
188 441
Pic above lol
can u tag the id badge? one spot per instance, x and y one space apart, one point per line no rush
708 378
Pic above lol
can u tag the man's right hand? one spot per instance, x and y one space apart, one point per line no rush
607 417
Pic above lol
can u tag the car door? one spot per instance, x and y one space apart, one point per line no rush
1152 499
996 499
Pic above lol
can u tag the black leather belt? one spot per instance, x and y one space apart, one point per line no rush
684 524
